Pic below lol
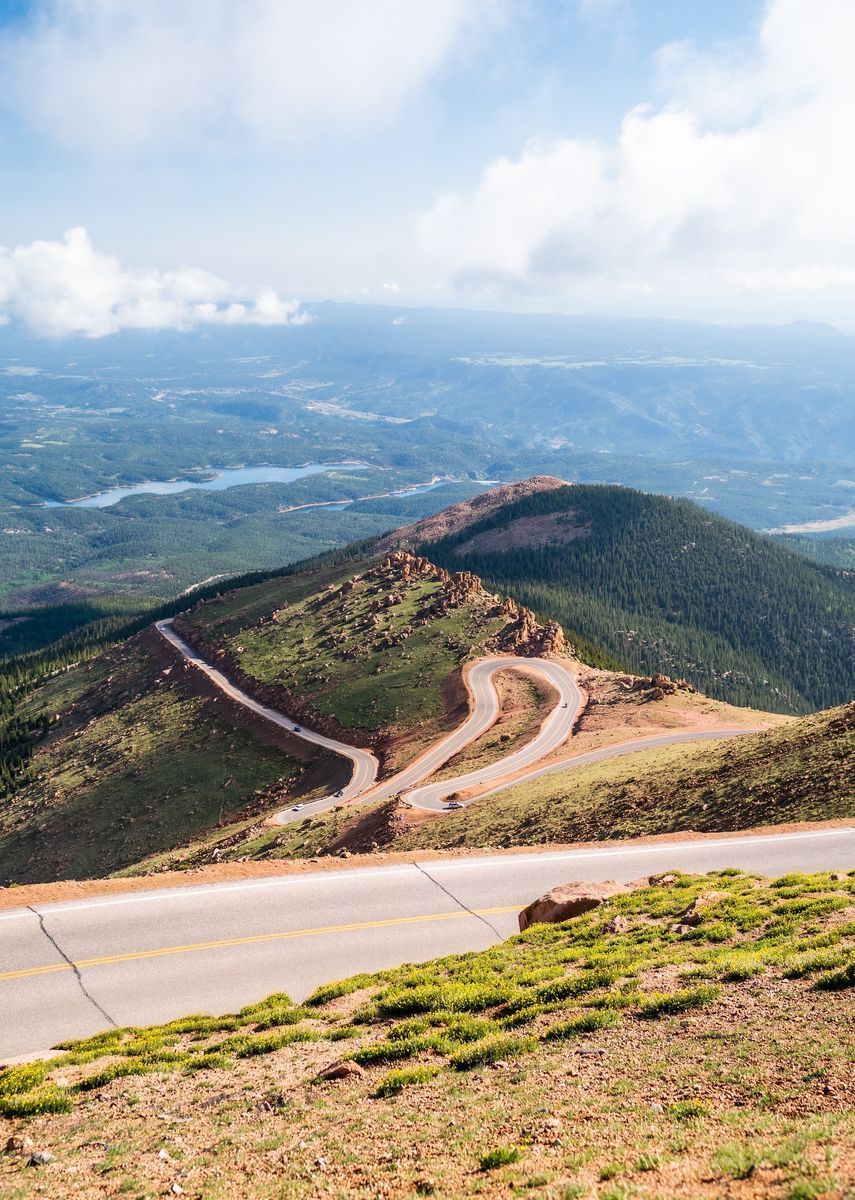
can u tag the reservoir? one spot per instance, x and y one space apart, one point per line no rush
232 477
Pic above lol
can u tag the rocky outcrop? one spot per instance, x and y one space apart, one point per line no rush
656 686
569 900
524 634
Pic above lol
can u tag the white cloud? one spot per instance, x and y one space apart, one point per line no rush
110 76
739 188
68 287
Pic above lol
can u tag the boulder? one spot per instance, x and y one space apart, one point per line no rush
344 1068
569 900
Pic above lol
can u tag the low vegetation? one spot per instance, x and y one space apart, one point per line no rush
801 771
136 761
618 1050
369 645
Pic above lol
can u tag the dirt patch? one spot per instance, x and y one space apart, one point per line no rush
549 529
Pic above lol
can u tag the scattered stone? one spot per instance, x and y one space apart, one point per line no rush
618 925
18 1144
39 1158
656 1107
569 900
343 1068
694 914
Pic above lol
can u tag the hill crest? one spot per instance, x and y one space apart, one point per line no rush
454 520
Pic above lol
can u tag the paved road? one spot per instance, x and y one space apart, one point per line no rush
619 749
484 706
555 730
72 969
365 764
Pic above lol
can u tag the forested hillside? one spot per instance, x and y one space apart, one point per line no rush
663 585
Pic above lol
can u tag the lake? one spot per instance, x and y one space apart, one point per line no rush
233 477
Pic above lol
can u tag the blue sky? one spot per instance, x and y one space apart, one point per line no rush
655 156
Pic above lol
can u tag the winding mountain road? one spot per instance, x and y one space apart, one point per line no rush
484 709
365 764
75 968
514 768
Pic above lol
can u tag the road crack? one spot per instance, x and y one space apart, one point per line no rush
465 907
73 966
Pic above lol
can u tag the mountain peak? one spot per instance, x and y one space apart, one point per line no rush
457 518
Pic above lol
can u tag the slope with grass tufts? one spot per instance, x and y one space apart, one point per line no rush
689 1034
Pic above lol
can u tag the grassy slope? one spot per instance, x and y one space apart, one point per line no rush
132 742
136 764
802 771
336 649
663 1058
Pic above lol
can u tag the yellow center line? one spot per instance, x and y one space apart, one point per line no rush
252 939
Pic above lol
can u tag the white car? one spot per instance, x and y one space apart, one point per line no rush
454 804
298 808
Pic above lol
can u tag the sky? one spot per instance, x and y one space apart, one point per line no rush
167 163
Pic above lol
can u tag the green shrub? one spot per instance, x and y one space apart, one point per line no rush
588 1023
275 1000
249 1045
502 1156
670 1003
687 1110
741 966
489 1050
735 1159
837 981
22 1079
397 1080
47 1099
341 987
392 1051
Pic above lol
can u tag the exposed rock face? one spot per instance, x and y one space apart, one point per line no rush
569 900
526 636
657 686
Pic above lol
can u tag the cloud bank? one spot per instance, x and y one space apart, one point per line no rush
107 76
738 189
68 287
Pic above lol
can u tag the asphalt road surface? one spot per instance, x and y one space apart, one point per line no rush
68 970
365 764
484 709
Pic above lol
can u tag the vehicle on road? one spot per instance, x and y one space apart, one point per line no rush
297 729
339 794
454 804
298 808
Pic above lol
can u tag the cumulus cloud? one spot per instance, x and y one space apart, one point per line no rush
68 287
740 184
111 76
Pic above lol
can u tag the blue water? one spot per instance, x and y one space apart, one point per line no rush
224 479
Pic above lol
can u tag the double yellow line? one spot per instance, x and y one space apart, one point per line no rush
254 939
